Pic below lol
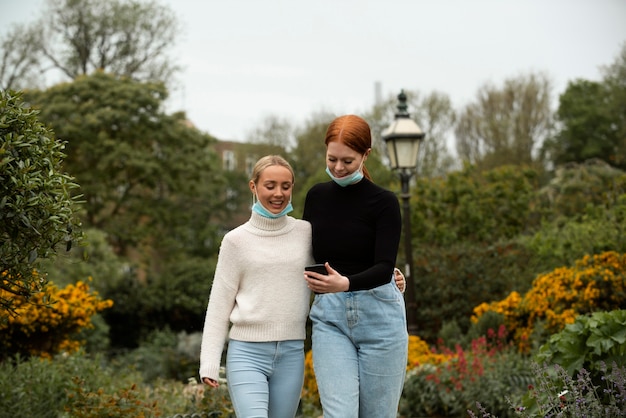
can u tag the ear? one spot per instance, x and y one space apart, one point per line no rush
251 186
366 154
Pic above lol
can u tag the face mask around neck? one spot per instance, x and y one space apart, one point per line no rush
261 210
352 178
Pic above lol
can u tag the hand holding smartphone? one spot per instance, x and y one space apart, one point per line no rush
317 268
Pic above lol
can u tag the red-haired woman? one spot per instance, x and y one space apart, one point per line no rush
359 338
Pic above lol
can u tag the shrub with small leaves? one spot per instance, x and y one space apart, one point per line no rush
37 212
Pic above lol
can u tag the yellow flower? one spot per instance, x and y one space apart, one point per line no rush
595 282
43 329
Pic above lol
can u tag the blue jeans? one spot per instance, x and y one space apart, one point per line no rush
265 378
360 348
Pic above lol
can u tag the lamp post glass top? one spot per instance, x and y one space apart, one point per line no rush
403 138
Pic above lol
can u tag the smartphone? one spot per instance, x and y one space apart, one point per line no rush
318 268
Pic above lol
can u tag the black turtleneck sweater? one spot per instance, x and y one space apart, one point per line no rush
356 229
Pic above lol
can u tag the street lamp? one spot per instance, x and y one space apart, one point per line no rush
403 138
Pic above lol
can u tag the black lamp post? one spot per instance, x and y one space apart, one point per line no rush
403 138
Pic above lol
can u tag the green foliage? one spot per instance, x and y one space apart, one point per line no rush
94 258
464 230
483 233
176 298
141 170
563 241
576 187
81 386
487 371
33 387
39 387
591 116
37 212
450 280
557 394
614 75
586 131
588 343
164 354
153 189
472 206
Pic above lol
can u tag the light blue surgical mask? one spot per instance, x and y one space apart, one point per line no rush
353 178
262 210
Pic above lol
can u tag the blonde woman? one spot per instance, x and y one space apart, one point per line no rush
258 291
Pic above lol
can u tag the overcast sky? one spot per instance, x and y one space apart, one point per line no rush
246 59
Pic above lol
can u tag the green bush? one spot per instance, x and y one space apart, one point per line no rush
82 386
564 240
451 281
33 387
557 394
592 340
164 355
487 371
37 212
175 298
473 206
39 387
583 372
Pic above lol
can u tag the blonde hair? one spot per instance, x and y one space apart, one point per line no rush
268 161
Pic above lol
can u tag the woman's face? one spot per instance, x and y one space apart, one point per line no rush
343 160
273 188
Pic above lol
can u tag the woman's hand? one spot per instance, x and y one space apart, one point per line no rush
400 280
332 282
210 382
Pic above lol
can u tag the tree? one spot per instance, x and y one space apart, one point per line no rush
506 125
37 212
273 131
592 119
77 37
615 78
479 207
147 176
19 59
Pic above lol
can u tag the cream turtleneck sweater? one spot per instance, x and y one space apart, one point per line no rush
258 287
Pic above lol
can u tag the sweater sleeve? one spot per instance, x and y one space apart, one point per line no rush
220 306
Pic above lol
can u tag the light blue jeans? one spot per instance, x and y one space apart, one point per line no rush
360 348
265 378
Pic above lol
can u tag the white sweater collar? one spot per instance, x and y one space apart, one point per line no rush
268 224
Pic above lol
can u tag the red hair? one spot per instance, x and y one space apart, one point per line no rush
352 131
